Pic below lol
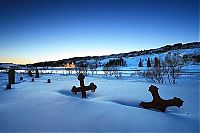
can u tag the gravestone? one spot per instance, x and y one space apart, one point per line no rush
21 78
158 103
82 87
11 76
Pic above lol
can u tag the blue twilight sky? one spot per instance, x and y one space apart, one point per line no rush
43 30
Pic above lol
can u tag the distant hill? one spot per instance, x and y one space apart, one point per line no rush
189 51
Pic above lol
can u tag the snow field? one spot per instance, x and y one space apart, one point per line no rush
51 107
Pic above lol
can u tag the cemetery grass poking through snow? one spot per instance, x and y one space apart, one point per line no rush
113 107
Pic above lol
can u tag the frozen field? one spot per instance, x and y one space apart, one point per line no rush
51 107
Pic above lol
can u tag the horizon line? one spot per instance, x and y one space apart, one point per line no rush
3 62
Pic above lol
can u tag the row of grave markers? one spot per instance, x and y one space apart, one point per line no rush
11 77
157 103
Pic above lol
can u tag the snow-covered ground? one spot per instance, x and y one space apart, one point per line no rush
51 107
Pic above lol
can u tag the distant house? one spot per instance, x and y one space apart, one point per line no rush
69 65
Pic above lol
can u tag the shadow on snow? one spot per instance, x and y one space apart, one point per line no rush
68 93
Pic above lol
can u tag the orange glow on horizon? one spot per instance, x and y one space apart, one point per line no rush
59 56
16 60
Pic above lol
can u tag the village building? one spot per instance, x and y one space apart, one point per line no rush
69 65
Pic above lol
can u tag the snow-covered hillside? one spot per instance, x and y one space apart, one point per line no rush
132 62
51 107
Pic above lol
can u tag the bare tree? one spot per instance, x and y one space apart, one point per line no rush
92 67
169 69
174 64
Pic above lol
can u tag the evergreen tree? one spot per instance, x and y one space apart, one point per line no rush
140 63
148 63
121 62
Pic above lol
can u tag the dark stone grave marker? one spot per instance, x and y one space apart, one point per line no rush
158 103
82 87
21 78
11 76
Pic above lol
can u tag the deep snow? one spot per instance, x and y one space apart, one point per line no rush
51 107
